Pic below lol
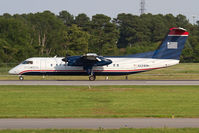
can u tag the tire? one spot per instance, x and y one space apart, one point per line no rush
92 78
21 78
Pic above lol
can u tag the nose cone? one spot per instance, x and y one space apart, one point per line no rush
12 71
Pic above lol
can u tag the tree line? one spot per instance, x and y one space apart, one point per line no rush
46 34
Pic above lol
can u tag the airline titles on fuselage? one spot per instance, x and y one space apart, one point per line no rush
143 65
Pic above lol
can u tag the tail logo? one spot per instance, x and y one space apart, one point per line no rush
172 45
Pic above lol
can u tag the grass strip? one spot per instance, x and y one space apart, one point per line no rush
98 101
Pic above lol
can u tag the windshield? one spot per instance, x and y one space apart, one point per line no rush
27 62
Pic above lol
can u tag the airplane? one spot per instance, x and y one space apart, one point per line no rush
91 64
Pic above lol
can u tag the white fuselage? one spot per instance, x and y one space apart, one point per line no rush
119 66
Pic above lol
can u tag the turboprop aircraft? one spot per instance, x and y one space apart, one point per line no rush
167 54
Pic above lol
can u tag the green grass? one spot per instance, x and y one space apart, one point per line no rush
99 101
184 71
163 130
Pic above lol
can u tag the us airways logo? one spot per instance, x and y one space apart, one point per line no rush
172 45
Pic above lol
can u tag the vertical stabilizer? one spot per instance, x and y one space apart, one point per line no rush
172 45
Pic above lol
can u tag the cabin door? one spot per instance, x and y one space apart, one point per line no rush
42 65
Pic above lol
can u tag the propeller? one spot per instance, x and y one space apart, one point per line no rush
66 58
98 59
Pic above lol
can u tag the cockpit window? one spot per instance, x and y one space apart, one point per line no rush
27 62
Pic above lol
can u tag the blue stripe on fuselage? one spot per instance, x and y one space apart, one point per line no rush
82 73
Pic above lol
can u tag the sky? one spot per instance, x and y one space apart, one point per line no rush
110 8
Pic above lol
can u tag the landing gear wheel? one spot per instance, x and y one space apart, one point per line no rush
21 78
92 77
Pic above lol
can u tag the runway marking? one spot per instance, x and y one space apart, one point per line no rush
92 123
97 83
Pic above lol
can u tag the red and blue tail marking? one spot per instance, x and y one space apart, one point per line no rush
173 44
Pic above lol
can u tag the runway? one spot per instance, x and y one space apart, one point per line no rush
92 123
100 82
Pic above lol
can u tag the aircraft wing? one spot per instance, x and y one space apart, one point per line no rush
87 60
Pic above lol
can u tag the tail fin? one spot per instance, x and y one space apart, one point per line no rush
171 47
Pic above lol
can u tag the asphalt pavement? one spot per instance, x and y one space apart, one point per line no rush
93 123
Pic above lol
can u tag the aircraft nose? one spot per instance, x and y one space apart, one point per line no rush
12 71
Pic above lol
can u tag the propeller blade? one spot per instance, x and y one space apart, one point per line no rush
65 59
98 59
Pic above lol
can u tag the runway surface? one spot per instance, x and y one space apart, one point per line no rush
93 123
105 82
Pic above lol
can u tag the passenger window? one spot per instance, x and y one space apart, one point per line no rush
51 65
117 65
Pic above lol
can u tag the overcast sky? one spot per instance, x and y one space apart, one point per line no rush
107 7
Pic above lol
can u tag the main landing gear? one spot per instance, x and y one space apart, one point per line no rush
21 78
90 72
92 77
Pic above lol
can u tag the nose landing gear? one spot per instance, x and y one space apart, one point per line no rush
21 78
